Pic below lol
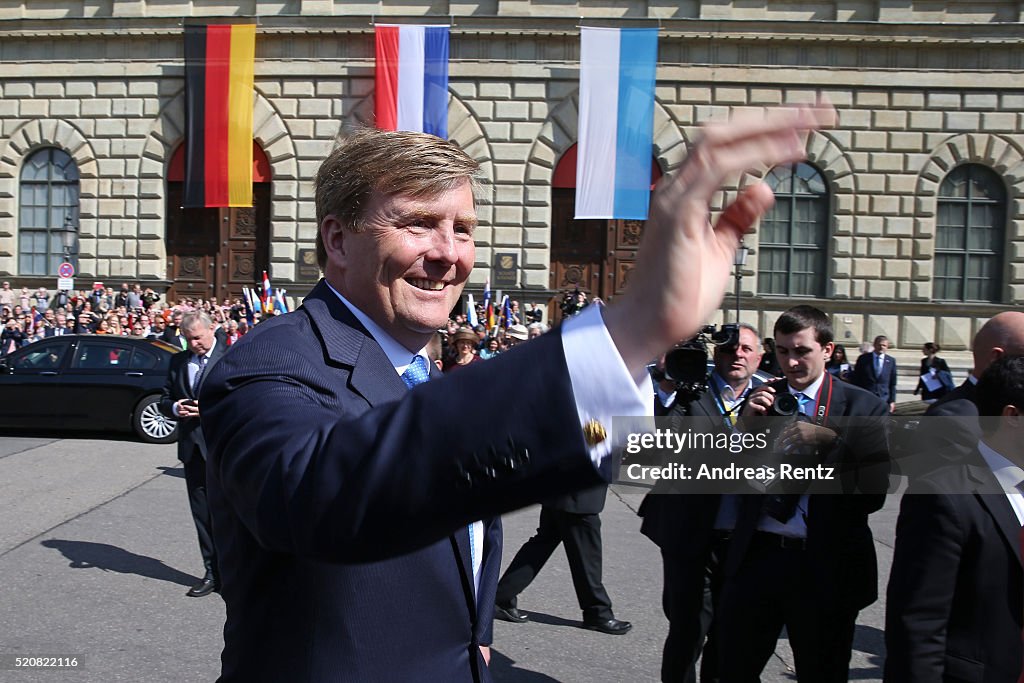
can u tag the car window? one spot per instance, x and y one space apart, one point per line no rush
144 360
43 358
93 356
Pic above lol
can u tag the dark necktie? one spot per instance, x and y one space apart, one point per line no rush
199 374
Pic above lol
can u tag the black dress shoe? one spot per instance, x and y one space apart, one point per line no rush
612 627
510 614
204 587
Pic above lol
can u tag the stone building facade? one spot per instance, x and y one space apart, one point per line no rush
909 223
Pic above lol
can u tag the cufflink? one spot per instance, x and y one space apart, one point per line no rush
594 432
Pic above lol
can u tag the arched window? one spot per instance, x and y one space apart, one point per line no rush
792 239
970 235
48 216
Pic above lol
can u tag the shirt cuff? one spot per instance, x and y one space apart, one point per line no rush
174 409
601 384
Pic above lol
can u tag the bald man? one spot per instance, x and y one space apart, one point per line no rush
955 437
1003 334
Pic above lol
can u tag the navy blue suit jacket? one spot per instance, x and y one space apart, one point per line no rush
881 384
340 498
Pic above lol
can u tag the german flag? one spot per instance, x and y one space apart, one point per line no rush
218 102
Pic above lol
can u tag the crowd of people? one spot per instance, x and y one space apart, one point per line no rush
28 316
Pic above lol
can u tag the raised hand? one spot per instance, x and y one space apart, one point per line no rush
683 264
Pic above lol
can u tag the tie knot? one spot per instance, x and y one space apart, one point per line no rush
417 372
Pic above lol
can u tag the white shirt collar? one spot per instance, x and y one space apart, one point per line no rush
811 391
722 386
396 353
1009 475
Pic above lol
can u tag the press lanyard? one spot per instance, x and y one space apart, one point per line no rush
730 419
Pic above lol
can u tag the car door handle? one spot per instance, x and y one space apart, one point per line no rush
48 373
133 374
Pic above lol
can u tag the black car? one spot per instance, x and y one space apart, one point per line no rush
88 382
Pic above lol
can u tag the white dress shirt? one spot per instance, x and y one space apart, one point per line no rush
1009 476
796 527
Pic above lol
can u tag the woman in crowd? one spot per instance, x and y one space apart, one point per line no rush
490 350
465 341
939 379
839 365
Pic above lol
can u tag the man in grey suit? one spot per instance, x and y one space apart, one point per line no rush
179 400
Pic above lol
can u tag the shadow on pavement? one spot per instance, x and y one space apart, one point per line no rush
871 641
178 472
505 670
552 620
87 555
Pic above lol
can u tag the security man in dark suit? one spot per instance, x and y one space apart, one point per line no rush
179 401
805 562
938 442
953 608
574 521
876 372
692 530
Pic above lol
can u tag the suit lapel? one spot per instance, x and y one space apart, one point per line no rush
346 342
373 377
996 505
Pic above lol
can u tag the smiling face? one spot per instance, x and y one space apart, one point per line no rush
406 268
801 357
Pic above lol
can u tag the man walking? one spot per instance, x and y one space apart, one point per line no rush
876 372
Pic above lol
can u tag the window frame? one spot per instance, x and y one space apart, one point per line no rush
988 179
791 199
72 190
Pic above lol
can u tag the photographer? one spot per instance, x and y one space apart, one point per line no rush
806 562
692 531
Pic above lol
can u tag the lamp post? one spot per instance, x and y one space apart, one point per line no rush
68 237
739 260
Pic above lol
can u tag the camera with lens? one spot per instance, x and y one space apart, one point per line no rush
785 405
687 363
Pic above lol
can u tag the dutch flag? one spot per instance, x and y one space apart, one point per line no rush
412 79
616 124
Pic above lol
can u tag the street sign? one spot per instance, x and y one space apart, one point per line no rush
66 270
65 283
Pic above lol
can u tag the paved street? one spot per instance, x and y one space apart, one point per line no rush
97 550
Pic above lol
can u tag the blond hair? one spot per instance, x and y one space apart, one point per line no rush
389 162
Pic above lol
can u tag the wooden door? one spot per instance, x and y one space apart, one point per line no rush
624 239
244 250
577 247
595 255
215 252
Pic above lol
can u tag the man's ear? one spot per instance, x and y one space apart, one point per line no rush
1013 415
333 236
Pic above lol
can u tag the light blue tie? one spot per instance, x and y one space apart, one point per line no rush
803 400
417 373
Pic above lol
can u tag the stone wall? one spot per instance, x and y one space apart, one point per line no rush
914 100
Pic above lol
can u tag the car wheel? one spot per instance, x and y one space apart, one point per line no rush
151 425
